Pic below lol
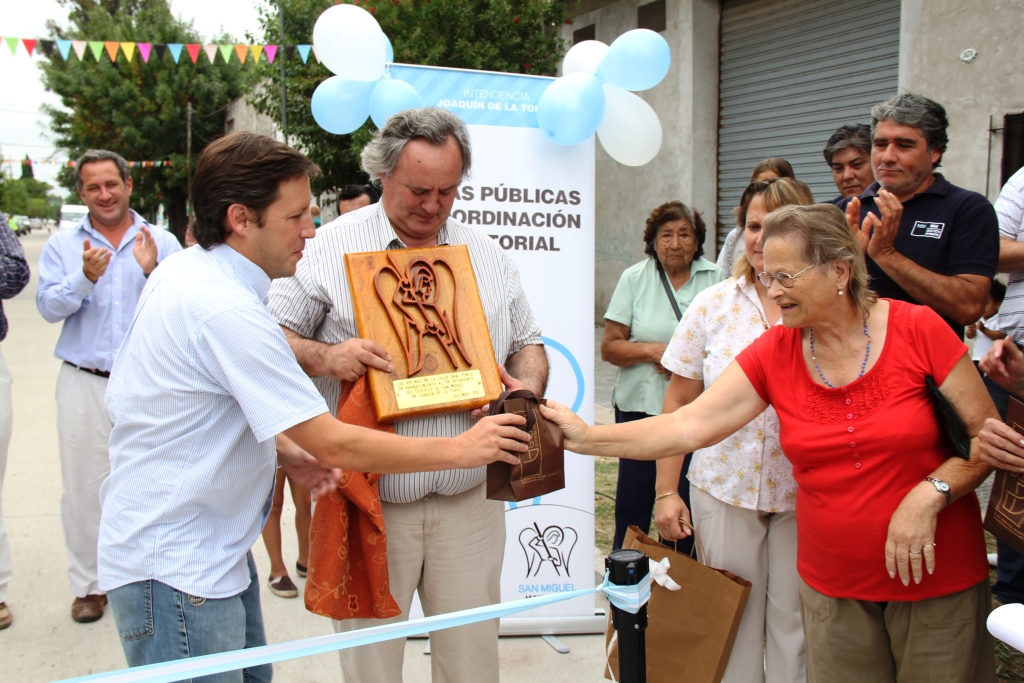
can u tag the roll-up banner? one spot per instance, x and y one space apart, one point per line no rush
536 200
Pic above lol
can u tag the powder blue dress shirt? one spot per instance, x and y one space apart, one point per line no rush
201 386
95 316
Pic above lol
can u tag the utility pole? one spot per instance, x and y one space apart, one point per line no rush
188 152
284 95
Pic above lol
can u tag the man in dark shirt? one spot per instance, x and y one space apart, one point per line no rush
927 241
14 276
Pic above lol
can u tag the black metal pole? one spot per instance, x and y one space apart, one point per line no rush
627 568
284 88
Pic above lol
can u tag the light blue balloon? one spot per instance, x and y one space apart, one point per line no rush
340 105
391 96
571 108
637 60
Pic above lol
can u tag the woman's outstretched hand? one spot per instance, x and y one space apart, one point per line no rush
574 428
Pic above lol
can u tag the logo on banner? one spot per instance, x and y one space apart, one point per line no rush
550 548
927 229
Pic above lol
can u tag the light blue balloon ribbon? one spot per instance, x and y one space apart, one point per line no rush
629 598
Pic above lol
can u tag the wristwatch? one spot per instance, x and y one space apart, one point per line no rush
942 487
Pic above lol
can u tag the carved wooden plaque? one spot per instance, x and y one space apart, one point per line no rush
423 306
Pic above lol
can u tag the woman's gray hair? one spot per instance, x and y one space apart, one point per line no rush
827 238
434 125
916 111
94 155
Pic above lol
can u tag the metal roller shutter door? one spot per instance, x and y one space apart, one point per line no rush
792 71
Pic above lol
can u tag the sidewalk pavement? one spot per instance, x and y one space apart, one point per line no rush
44 644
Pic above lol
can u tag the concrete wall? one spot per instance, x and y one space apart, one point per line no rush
933 34
240 115
685 168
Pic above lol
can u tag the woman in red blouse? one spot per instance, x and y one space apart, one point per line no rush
890 550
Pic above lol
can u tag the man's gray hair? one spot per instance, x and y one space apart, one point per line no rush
917 111
101 155
857 136
434 125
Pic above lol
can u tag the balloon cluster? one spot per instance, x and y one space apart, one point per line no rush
593 95
349 42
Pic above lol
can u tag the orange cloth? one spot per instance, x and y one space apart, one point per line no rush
348 561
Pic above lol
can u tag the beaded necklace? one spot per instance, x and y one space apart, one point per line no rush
863 366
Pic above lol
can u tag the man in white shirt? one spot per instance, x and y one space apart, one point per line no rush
201 386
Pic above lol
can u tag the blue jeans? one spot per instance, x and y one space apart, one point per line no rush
634 492
157 623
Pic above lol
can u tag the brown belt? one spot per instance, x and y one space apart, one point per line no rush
98 373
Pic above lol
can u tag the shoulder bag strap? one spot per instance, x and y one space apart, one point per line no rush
668 289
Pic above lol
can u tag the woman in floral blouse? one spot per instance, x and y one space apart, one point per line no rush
742 490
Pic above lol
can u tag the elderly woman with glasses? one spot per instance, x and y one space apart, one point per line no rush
742 490
890 552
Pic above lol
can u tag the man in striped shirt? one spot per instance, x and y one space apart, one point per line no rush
445 539
201 386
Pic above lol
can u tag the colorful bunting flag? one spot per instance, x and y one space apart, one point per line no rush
97 47
144 49
112 47
65 48
271 52
211 52
79 46
29 44
175 49
193 51
289 52
225 52
241 51
304 52
161 50
13 44
256 50
129 50
47 47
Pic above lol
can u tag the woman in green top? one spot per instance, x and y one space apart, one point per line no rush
639 322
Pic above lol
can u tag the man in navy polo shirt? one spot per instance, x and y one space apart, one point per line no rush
927 241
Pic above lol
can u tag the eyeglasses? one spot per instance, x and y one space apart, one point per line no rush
784 279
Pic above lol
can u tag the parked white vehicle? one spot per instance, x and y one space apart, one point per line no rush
70 214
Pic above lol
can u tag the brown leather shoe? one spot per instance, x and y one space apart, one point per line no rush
5 616
88 609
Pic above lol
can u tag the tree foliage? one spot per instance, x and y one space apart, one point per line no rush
138 109
28 197
512 36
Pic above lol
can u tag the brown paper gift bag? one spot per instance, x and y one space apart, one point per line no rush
691 631
1005 516
540 470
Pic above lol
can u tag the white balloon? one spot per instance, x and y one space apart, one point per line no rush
348 40
630 131
583 57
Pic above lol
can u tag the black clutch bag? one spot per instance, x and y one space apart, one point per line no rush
957 439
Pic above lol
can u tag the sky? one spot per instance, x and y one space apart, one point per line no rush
23 126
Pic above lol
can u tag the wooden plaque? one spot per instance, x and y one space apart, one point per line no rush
423 306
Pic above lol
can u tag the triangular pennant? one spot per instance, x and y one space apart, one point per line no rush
175 49
65 48
30 44
144 49
79 46
241 51
131 164
225 52
129 50
193 51
304 52
211 52
13 44
256 50
161 50
271 52
112 48
97 48
47 47
289 52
